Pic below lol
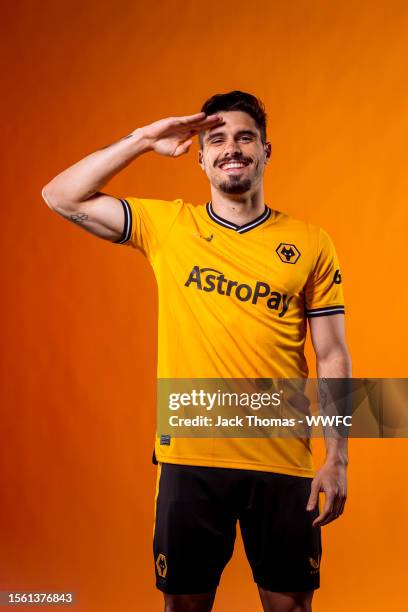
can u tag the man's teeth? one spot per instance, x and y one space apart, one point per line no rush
232 165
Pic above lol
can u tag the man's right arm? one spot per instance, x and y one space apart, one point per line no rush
76 192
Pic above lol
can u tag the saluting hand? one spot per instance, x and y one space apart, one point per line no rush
173 136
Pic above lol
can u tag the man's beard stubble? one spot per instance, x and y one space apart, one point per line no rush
235 185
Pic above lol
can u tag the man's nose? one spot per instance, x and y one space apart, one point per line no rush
232 147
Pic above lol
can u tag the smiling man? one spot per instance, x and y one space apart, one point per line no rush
237 282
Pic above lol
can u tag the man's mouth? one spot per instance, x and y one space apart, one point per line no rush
233 166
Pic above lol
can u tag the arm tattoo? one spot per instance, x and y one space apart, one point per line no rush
116 141
79 218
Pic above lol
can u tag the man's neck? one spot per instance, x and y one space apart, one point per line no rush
238 208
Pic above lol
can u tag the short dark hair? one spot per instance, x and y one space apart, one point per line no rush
237 101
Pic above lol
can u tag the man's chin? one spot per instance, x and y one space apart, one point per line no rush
235 186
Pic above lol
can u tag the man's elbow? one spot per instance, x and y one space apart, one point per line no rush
336 360
46 196
54 199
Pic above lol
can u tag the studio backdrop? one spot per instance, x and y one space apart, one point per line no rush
79 314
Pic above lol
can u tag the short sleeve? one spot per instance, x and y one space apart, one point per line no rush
147 222
324 288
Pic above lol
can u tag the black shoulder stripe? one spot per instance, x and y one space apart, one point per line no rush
324 311
127 226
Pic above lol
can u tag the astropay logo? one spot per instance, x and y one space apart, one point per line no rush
208 279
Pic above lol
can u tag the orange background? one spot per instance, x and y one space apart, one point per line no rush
79 314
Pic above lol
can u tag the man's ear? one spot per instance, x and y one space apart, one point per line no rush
201 159
268 151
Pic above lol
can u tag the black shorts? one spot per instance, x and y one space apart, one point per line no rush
196 511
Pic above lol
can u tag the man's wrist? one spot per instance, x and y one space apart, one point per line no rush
336 460
139 139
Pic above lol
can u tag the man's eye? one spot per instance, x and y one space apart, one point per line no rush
216 141
246 138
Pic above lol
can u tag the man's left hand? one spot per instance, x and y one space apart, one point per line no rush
332 480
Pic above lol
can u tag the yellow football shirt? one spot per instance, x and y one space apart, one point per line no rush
234 303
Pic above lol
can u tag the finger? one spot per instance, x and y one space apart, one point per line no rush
183 148
207 126
343 503
328 520
313 497
337 505
204 124
328 506
334 513
332 517
191 118
200 119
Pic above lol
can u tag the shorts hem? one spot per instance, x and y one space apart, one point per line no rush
286 588
256 467
188 591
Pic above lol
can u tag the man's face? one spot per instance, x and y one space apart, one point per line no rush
233 156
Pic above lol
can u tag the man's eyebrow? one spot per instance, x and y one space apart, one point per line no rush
240 133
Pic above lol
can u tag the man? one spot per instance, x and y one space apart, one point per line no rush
215 328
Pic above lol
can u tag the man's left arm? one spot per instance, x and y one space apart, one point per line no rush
333 361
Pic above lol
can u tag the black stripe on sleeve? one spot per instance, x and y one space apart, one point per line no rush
324 311
127 226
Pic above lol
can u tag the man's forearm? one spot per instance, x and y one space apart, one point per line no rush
89 175
337 365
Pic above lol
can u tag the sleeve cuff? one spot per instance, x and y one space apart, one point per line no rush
324 311
127 227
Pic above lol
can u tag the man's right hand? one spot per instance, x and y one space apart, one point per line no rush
173 136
